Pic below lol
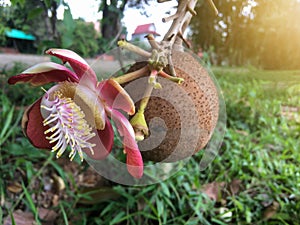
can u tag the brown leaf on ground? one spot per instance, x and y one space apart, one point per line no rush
235 186
82 177
20 218
242 132
291 113
58 183
213 190
55 200
47 215
27 218
15 187
219 190
271 210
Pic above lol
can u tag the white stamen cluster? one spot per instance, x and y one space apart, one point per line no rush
67 127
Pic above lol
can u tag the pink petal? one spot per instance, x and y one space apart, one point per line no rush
115 96
44 73
32 124
134 160
104 142
79 65
135 165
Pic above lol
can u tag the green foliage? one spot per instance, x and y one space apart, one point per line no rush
20 15
9 126
68 29
85 39
40 19
34 17
260 153
16 2
78 36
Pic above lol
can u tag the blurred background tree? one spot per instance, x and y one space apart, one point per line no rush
259 33
37 17
262 33
40 19
113 12
83 38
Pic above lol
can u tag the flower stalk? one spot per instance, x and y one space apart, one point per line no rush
213 6
138 121
132 75
152 80
177 80
126 45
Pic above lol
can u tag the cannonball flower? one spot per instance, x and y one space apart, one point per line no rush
75 113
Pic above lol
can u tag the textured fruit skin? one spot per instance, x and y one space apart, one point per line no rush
181 118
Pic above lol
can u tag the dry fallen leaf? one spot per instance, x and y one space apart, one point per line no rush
47 215
55 200
271 210
218 191
242 132
59 183
235 186
15 188
27 218
213 190
21 218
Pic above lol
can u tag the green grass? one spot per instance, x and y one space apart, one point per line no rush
260 151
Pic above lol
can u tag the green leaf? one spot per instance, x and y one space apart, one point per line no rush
4 131
1 211
34 13
68 20
31 204
29 169
67 40
13 222
118 218
160 207
65 217
15 2
47 3
165 189
69 26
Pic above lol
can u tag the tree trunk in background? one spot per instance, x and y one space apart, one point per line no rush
52 20
112 15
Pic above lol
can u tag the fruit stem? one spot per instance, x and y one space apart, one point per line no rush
152 79
212 4
133 48
139 125
178 80
146 97
152 42
132 75
138 121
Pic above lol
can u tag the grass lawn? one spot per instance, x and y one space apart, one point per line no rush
255 179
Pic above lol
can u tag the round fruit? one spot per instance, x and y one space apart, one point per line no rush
181 117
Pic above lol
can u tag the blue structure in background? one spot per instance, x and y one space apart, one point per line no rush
18 34
18 41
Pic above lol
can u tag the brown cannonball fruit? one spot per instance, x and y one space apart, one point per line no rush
181 117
